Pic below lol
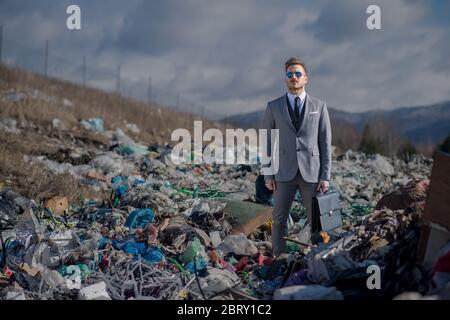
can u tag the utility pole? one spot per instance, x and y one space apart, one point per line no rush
149 90
84 70
118 80
1 42
46 58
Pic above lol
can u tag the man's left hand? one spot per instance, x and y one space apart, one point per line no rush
323 186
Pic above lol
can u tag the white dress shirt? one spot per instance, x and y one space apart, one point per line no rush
292 97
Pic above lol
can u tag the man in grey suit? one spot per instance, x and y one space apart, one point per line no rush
304 134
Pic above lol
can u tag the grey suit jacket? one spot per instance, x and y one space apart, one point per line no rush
309 149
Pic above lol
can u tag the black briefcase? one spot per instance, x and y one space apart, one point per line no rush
326 212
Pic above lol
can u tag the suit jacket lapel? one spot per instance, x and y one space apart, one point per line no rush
307 107
285 113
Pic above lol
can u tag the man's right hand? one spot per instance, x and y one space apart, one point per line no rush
271 185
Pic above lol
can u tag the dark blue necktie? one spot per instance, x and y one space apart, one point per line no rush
297 108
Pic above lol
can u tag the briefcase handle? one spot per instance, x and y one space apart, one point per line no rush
322 193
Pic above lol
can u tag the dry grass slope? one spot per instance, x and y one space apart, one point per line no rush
155 122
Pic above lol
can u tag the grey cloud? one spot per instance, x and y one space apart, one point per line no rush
339 22
229 54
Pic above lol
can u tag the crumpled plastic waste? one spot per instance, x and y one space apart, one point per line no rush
94 124
139 218
238 245
310 292
194 249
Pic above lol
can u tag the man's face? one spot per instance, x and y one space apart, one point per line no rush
296 83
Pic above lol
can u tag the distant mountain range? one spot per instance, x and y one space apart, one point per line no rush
420 125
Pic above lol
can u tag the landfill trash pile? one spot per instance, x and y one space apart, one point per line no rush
385 238
362 180
13 95
167 231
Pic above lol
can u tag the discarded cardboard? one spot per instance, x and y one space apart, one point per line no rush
432 238
437 208
434 232
32 271
92 174
248 216
58 205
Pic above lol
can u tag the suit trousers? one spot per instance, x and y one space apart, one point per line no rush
284 195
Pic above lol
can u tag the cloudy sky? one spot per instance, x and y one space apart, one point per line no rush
228 55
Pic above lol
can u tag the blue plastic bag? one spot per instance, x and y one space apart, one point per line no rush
139 218
153 255
135 248
119 185
200 265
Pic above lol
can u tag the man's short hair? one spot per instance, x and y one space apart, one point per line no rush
292 61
